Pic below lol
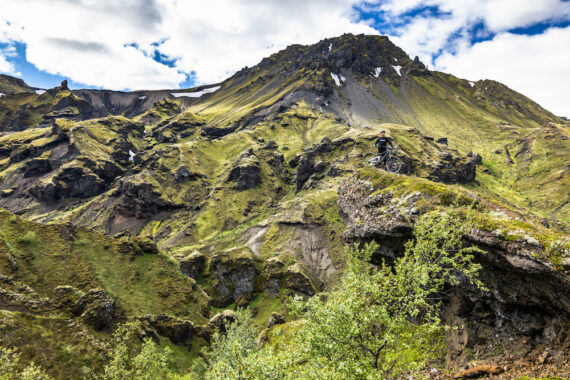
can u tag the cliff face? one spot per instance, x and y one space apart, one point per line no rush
526 309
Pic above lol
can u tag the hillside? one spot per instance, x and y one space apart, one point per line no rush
243 186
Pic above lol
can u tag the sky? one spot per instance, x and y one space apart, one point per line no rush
157 44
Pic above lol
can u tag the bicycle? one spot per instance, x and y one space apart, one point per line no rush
392 163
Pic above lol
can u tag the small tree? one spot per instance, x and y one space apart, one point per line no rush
386 320
150 363
9 359
228 356
379 322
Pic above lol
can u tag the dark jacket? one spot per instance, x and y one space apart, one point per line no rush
383 142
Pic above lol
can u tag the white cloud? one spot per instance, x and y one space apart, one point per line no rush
220 37
6 67
498 15
89 41
536 66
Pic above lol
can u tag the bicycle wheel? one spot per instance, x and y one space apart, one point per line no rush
367 159
394 165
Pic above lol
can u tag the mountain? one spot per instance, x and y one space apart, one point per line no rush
251 187
10 85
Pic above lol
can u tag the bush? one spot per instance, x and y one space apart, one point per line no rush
9 360
148 364
379 322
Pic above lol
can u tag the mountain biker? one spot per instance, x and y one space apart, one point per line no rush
382 143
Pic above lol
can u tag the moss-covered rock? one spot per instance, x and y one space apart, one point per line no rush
234 274
297 280
193 265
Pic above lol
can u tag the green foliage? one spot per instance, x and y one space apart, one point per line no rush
228 357
378 322
148 364
9 360
386 320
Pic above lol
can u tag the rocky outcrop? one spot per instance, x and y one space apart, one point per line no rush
528 298
97 309
94 307
275 319
183 174
298 281
70 182
37 166
221 320
193 265
179 331
314 164
233 274
455 169
142 199
246 172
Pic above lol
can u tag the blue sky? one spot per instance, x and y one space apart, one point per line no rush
148 44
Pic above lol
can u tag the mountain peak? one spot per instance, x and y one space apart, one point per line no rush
362 55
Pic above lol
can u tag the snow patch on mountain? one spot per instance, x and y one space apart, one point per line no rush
39 92
377 71
398 68
336 79
196 94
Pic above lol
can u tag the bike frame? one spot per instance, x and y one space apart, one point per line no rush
384 157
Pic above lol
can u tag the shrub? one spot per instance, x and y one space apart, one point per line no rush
379 322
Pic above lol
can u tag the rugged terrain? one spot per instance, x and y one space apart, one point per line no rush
249 188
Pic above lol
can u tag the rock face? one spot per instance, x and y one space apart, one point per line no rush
70 182
37 166
455 169
142 199
233 275
298 281
179 331
312 164
193 265
246 173
528 298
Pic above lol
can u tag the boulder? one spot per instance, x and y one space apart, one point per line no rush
97 309
221 320
193 265
298 281
179 331
275 319
234 273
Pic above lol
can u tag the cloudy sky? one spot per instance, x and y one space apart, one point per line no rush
151 44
